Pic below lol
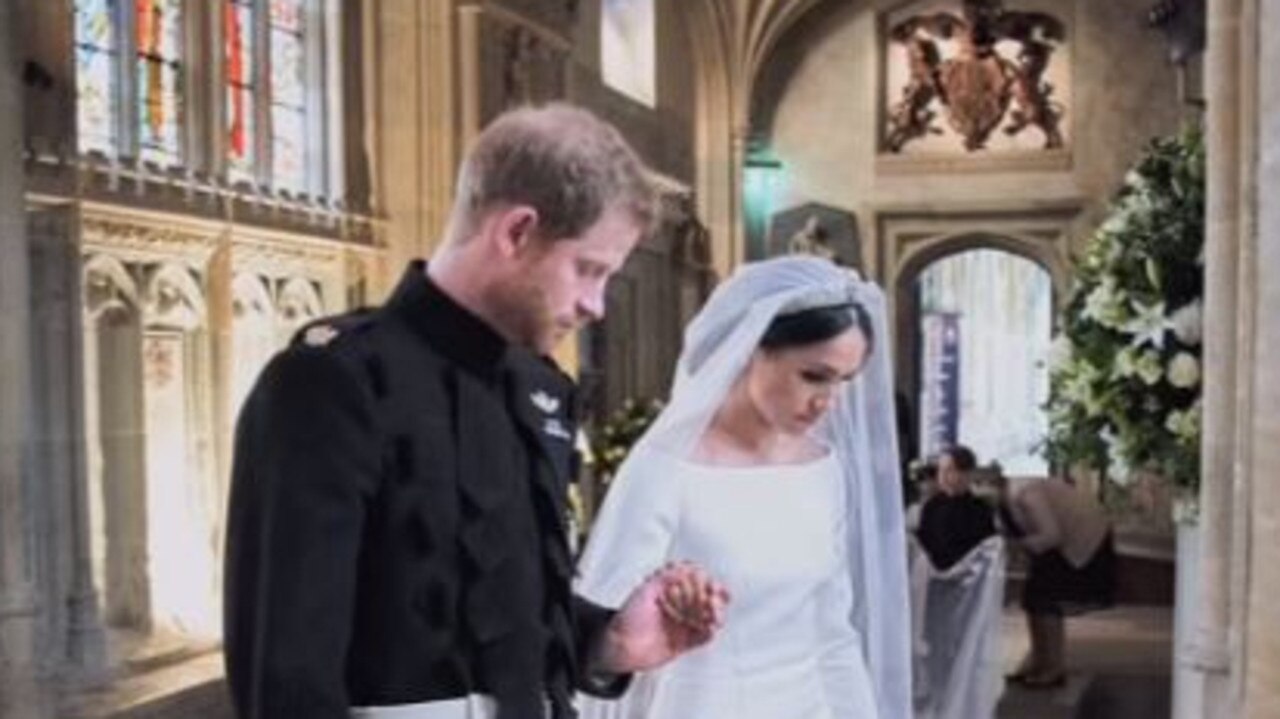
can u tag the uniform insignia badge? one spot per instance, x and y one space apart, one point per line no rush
319 336
554 428
544 402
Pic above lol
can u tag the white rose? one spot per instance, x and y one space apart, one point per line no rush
1184 371
1187 323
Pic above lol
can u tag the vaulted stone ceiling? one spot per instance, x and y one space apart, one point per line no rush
732 41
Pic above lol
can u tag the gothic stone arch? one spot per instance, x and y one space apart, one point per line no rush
908 242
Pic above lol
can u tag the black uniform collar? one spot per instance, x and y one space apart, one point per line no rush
450 328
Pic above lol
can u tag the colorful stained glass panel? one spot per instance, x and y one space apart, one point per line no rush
241 91
288 69
240 133
95 23
288 94
96 82
288 15
288 145
159 79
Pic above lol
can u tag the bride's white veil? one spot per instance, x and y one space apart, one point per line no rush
861 427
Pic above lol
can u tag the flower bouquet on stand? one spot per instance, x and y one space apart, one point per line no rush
1125 370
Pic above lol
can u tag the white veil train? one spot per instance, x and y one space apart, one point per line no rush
956 633
861 428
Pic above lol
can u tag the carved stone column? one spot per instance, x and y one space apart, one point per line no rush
1209 655
58 425
1261 635
21 695
1238 652
418 83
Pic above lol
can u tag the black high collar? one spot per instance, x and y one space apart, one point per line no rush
450 328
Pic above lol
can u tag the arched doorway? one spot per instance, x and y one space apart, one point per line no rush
979 317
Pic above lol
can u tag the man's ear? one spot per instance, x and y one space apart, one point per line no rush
515 230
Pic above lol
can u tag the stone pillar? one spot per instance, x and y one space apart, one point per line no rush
1238 649
57 424
20 686
1260 650
1208 655
221 322
419 76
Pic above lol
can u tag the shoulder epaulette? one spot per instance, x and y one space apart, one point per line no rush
323 331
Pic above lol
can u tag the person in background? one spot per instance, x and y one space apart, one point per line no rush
1073 569
954 521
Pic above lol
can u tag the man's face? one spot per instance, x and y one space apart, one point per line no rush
558 286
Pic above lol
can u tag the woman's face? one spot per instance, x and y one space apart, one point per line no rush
793 387
951 479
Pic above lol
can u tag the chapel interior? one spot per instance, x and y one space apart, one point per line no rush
186 183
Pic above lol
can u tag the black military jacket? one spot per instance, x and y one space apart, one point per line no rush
395 531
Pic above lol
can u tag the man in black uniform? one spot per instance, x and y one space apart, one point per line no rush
396 544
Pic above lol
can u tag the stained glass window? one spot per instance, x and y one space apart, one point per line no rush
288 93
627 48
159 79
241 87
96 82
132 64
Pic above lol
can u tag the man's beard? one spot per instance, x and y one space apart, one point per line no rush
525 314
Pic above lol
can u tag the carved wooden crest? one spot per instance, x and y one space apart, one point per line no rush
977 96
977 87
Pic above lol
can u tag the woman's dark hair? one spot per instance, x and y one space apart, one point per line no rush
962 457
818 324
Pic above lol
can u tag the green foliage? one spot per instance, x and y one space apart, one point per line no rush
1125 372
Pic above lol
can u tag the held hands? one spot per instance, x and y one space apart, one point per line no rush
677 608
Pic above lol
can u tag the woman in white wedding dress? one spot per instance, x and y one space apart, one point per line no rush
774 467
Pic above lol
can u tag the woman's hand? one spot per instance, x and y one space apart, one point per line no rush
676 609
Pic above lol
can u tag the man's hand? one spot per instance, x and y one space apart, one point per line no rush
676 609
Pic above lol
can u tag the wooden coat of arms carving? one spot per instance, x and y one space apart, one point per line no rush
977 87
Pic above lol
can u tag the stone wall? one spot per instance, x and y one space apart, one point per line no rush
820 113
22 667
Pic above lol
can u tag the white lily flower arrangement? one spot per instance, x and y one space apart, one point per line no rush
1125 371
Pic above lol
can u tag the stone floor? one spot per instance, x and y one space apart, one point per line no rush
1119 662
189 689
